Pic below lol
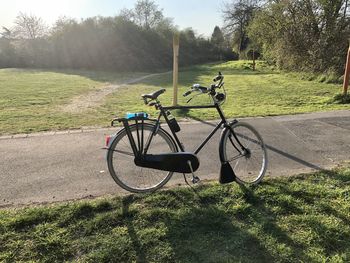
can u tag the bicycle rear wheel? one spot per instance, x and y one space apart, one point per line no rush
121 165
246 152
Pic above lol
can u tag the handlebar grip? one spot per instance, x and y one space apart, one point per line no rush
187 93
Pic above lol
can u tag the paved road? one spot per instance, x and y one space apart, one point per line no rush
48 167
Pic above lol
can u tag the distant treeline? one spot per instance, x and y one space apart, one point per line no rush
302 35
136 39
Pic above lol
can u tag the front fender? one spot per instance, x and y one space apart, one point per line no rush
226 129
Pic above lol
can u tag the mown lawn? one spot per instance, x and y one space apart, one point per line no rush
32 100
299 219
249 93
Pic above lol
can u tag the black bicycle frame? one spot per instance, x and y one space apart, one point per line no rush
223 122
139 148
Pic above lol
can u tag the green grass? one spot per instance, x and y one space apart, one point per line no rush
261 93
32 100
299 219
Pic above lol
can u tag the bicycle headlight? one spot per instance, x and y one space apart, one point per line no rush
220 97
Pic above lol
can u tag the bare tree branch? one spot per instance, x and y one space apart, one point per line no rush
29 26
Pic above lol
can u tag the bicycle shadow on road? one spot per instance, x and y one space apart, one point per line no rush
275 150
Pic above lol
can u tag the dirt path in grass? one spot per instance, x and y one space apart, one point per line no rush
96 97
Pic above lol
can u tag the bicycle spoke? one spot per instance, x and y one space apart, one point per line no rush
123 168
235 158
250 166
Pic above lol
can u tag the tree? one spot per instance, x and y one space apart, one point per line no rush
237 16
7 52
303 34
218 40
6 33
145 14
29 27
112 43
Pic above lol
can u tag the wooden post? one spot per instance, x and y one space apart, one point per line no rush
176 44
253 59
346 74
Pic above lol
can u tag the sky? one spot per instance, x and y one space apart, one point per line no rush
201 15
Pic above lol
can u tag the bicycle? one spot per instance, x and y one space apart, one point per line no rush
153 154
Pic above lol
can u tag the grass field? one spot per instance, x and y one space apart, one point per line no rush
299 219
32 100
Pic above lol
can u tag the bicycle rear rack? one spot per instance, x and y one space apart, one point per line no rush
139 118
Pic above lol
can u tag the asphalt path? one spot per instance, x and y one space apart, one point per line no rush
67 165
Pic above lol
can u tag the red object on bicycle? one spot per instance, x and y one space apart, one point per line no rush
108 139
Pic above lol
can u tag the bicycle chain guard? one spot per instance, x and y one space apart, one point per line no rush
172 162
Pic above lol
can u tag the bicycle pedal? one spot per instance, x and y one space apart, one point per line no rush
195 179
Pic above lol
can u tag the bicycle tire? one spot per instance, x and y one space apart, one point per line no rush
124 170
249 166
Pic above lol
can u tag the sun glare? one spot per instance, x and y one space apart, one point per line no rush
49 11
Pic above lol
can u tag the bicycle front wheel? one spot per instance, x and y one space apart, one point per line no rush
245 150
121 165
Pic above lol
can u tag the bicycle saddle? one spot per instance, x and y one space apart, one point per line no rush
153 95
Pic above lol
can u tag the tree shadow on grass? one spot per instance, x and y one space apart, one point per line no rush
313 199
228 224
200 233
207 225
314 216
267 220
136 243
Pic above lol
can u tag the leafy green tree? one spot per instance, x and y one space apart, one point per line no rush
218 41
145 14
7 51
303 34
111 43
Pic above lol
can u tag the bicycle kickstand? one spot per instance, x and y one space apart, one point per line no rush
195 179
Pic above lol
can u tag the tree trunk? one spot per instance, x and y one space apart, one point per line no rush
346 74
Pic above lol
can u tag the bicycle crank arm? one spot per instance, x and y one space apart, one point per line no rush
172 162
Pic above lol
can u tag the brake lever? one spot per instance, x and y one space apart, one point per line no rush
187 93
195 95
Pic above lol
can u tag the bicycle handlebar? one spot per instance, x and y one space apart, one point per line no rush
197 87
218 77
